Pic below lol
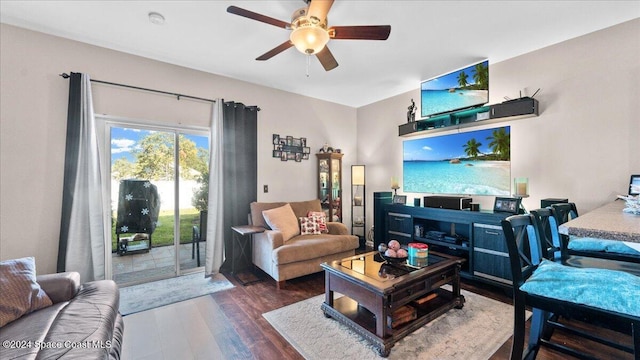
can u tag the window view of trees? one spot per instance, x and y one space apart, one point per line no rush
153 159
200 198
150 155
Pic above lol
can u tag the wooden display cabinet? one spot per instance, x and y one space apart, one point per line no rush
330 184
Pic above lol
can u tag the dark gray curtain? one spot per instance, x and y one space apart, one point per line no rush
240 169
81 246
71 158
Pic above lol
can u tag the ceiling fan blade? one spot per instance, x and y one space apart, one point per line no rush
367 32
275 51
326 59
319 9
258 17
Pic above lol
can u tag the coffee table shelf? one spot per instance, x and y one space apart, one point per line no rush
368 301
350 309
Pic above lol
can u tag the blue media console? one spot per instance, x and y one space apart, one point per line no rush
474 235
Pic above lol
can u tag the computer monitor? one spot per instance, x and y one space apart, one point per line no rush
635 180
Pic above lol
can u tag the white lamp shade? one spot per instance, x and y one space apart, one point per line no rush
521 186
357 174
309 39
394 183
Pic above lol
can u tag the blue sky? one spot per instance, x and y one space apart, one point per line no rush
448 81
124 140
446 146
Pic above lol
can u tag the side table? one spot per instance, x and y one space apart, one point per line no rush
243 248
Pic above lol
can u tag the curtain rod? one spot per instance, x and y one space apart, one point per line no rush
178 96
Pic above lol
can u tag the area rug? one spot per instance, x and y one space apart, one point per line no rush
154 294
475 332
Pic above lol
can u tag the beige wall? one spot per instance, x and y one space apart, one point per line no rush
584 145
33 127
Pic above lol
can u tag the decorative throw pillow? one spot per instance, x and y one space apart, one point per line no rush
21 294
282 219
321 218
309 226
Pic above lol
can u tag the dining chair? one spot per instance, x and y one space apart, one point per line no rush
198 234
550 239
603 297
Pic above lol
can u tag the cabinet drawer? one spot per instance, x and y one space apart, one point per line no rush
489 237
411 292
400 224
418 289
493 266
490 253
440 279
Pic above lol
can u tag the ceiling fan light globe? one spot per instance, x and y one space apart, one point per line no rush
309 39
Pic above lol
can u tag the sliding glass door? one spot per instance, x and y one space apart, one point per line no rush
159 189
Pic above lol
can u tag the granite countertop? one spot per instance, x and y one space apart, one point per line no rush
606 222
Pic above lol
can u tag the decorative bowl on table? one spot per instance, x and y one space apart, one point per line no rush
394 260
389 253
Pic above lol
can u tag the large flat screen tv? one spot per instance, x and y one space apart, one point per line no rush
470 163
461 89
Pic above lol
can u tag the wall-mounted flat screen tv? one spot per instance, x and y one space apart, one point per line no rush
464 88
470 163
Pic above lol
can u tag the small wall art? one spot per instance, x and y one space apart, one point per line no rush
289 148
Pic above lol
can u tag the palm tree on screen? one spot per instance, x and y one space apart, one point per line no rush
462 79
472 148
500 143
481 76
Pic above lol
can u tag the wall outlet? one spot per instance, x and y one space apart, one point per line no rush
265 188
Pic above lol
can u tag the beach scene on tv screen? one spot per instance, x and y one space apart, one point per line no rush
460 89
470 163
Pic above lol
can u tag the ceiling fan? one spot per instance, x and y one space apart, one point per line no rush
310 34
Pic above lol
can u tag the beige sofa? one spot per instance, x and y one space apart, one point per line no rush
302 254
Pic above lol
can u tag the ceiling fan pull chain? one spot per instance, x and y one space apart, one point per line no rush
308 62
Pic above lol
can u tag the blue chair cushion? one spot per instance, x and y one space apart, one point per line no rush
610 290
594 244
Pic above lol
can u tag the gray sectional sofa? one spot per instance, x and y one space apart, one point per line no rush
83 322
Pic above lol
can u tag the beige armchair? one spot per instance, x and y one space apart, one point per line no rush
300 255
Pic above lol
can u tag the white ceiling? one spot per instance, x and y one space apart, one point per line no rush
428 38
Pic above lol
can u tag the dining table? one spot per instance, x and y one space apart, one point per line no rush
605 222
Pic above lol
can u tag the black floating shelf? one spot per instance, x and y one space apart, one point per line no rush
508 110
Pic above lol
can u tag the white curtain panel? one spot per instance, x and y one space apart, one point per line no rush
85 250
215 223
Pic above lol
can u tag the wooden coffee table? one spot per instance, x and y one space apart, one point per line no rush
374 289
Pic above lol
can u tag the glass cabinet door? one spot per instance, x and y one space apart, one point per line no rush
330 184
336 190
325 185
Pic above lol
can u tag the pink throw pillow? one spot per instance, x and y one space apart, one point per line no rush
309 226
321 218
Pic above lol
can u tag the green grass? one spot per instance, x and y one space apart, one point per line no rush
163 235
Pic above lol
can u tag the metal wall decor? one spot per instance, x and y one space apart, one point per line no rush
289 148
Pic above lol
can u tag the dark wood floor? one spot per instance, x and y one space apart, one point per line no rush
243 306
